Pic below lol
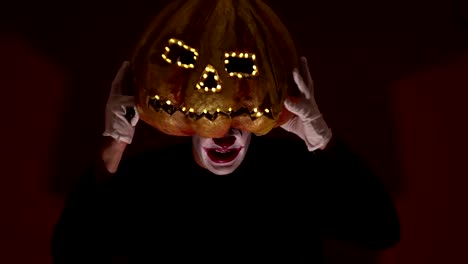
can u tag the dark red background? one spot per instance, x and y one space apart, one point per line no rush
391 78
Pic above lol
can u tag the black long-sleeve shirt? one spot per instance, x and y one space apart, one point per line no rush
161 207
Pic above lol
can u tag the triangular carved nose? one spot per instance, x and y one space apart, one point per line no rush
209 80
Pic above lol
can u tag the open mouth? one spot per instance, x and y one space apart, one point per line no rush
222 155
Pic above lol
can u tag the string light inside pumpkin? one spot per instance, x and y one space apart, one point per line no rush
180 53
240 65
169 107
209 80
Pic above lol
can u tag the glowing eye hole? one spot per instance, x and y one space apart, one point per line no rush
180 53
241 65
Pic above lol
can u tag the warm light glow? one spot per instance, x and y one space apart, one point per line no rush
255 112
243 56
209 69
185 46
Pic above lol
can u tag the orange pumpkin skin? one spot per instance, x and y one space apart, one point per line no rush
170 97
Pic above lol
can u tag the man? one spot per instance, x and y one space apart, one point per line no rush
308 124
236 199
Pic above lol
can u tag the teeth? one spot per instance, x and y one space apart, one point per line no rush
222 150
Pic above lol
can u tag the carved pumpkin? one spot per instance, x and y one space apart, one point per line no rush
204 66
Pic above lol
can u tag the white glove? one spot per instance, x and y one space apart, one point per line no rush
117 124
307 122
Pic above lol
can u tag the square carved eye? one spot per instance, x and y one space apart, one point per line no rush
179 53
240 64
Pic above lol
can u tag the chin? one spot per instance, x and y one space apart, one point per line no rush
221 172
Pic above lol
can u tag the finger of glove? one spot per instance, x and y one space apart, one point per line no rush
118 126
306 91
120 119
290 124
120 111
135 118
116 88
121 100
299 109
304 109
305 73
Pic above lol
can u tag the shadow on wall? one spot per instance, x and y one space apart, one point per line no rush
32 93
431 109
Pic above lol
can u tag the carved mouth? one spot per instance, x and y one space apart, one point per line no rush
167 106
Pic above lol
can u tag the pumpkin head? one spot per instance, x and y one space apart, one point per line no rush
204 66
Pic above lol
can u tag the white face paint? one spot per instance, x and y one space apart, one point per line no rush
221 156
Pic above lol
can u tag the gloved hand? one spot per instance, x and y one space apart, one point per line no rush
119 124
307 122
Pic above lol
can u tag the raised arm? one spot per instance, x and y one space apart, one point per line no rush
121 119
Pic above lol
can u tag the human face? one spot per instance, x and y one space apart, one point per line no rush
221 156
